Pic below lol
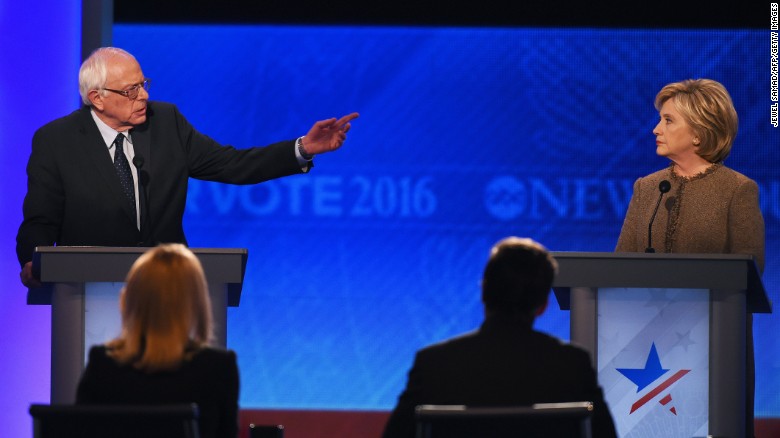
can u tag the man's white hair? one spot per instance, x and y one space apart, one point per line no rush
93 73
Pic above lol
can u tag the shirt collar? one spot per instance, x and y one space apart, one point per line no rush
108 133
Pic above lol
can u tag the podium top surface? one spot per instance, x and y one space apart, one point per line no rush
85 264
692 271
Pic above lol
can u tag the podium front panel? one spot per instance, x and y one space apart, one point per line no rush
102 321
653 360
82 284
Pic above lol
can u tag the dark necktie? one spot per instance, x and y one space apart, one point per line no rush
123 171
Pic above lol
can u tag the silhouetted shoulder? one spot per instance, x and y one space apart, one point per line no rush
215 354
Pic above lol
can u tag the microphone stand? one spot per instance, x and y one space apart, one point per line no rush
663 187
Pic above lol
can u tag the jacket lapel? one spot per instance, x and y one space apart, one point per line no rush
97 152
142 149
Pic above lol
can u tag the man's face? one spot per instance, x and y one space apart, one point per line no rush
116 110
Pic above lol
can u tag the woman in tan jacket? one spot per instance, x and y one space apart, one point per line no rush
709 208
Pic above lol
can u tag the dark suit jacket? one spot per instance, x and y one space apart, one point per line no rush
210 379
501 364
73 192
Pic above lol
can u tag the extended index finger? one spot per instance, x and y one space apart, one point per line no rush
346 119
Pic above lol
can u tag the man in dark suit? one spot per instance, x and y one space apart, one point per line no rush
80 191
505 362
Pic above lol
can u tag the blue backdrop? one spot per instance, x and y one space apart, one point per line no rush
38 82
465 136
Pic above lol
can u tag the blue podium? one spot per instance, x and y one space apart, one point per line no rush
668 334
82 286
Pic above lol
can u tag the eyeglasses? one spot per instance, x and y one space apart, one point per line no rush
132 93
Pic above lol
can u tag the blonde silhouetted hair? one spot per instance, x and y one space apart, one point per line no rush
707 107
166 310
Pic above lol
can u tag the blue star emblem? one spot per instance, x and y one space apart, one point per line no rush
643 377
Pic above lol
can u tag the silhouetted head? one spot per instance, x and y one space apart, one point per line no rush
518 278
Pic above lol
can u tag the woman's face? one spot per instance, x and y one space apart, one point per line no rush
674 138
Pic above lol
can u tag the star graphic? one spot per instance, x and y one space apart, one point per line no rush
684 340
658 299
642 377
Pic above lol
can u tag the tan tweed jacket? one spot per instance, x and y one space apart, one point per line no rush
716 211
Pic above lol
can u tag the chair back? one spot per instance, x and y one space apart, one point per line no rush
549 420
266 431
116 421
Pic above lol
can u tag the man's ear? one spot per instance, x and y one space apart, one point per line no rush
539 310
96 99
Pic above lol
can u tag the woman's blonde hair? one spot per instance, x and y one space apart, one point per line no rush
707 107
166 310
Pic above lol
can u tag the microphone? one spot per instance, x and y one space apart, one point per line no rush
143 179
663 187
